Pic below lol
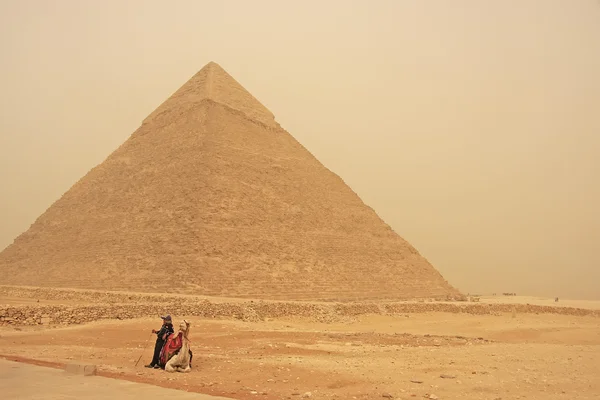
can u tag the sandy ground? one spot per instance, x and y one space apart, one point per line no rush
541 301
51 384
436 355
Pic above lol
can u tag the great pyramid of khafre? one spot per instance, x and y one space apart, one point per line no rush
211 196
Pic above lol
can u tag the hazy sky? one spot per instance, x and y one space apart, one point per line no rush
471 126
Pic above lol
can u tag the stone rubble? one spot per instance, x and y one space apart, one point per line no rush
87 306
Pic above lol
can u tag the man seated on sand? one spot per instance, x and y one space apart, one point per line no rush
161 336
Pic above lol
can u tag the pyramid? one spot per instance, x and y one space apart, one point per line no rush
210 196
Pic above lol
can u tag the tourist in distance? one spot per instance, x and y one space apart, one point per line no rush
161 336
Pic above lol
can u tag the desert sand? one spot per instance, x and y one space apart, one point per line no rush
445 355
51 384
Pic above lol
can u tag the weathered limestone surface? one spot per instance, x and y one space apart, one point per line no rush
210 194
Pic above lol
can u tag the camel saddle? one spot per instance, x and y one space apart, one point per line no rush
170 348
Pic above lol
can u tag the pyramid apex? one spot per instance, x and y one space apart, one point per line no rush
211 65
213 83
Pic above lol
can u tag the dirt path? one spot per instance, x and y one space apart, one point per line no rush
23 381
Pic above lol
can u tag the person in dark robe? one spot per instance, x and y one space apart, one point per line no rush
161 336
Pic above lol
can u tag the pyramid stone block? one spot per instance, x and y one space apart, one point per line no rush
211 196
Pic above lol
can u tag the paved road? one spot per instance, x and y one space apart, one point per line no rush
30 382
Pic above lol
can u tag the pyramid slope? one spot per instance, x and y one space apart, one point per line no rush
224 203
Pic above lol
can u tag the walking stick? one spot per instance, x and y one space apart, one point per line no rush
143 351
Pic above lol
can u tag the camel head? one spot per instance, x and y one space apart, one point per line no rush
184 327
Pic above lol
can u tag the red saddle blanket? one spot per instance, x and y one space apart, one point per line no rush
170 348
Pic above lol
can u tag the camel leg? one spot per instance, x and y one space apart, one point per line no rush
169 367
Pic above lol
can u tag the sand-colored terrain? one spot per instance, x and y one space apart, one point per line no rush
25 381
443 355
541 301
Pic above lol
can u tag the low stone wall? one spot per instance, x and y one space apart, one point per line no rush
482 309
252 311
73 315
98 296
84 296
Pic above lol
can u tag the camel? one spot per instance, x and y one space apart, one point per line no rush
180 362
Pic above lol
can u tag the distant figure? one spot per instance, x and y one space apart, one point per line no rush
161 336
556 299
